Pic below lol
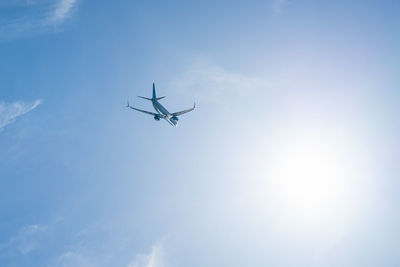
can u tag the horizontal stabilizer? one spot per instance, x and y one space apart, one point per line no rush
145 98
158 98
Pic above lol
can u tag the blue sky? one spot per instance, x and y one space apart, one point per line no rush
290 158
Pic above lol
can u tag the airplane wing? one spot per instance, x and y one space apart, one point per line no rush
147 112
183 111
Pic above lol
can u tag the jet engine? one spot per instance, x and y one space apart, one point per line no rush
175 118
157 118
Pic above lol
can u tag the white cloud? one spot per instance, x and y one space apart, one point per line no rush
76 259
62 11
102 244
89 247
32 17
211 82
153 259
10 112
25 241
278 8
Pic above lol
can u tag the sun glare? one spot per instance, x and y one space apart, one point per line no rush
313 177
310 178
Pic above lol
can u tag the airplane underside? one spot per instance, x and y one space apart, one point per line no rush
171 118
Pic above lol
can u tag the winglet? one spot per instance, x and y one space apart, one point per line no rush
127 104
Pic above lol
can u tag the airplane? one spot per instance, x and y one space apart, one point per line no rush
162 113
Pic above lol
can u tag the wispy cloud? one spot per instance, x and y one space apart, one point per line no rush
277 8
86 253
25 241
76 259
62 11
153 259
102 244
88 247
33 17
211 82
9 112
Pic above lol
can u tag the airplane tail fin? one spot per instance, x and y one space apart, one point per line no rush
154 95
154 91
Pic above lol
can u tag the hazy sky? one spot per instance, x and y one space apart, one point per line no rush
290 158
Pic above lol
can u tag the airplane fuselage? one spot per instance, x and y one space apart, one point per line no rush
164 113
171 118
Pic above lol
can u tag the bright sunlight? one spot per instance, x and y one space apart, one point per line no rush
314 173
